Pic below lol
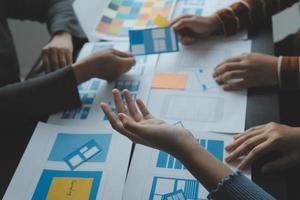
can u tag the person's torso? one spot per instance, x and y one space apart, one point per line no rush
9 66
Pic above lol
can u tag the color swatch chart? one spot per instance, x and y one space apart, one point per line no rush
215 147
124 15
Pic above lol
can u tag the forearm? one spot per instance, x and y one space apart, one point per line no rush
204 166
40 97
216 177
246 12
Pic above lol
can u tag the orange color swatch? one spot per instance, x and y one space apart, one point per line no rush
170 81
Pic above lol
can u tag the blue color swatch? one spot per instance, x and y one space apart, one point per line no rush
152 41
67 143
47 176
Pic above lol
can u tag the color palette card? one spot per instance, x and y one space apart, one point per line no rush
152 41
124 15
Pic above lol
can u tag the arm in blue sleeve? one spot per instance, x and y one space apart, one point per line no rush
239 187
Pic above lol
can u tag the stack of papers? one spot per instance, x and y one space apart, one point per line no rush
77 155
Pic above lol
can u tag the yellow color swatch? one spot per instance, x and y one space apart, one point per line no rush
70 188
170 81
160 21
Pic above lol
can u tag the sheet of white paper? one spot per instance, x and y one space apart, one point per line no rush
50 144
160 173
282 23
203 104
137 80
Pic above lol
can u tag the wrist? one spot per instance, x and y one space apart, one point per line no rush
80 72
63 34
215 22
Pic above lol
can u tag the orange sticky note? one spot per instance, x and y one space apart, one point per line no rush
170 81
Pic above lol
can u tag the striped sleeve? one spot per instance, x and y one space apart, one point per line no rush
288 72
245 12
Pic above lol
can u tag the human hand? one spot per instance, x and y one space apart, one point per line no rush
108 65
261 140
142 127
191 27
247 70
58 52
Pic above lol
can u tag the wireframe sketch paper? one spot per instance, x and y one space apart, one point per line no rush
138 81
202 105
162 175
44 174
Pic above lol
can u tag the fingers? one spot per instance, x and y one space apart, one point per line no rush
133 111
126 64
255 153
280 164
231 75
179 18
143 109
118 125
183 23
121 53
245 147
46 62
112 118
118 101
239 85
54 58
131 125
238 142
227 67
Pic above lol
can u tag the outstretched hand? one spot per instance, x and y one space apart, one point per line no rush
140 126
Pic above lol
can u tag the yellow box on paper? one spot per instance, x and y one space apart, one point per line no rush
67 188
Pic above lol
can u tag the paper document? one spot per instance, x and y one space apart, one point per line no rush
162 175
43 173
202 104
138 81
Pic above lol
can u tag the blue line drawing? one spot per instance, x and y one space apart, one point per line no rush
66 143
90 86
100 47
215 147
177 195
82 154
47 177
131 85
162 186
80 113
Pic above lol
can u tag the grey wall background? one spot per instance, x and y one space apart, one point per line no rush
29 38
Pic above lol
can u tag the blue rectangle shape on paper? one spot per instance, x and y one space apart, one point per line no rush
179 195
65 143
162 159
47 177
147 41
216 148
80 153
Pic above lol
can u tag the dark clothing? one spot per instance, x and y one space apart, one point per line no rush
23 104
58 14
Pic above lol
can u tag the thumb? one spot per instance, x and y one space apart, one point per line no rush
184 23
129 124
279 164
127 63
